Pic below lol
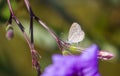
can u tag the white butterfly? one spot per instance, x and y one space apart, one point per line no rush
76 34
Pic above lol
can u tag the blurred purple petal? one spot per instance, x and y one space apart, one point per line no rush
85 64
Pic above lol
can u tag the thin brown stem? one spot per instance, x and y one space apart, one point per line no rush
31 45
34 53
19 24
31 20
58 40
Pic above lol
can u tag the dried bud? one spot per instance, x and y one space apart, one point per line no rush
35 61
10 32
105 55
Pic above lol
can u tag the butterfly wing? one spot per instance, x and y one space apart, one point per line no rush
76 34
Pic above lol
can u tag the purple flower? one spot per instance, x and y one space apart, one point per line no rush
86 64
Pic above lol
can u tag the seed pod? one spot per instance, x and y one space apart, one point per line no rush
10 32
105 55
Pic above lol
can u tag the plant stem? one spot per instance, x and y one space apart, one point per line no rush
31 45
32 15
31 20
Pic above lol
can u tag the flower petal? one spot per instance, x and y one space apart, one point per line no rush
85 64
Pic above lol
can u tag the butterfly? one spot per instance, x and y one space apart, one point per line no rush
76 34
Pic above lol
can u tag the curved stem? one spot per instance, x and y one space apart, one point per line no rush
19 24
33 51
57 39
31 21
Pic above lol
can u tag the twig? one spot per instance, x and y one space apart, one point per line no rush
34 53
12 16
32 15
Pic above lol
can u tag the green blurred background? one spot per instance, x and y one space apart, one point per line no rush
100 19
